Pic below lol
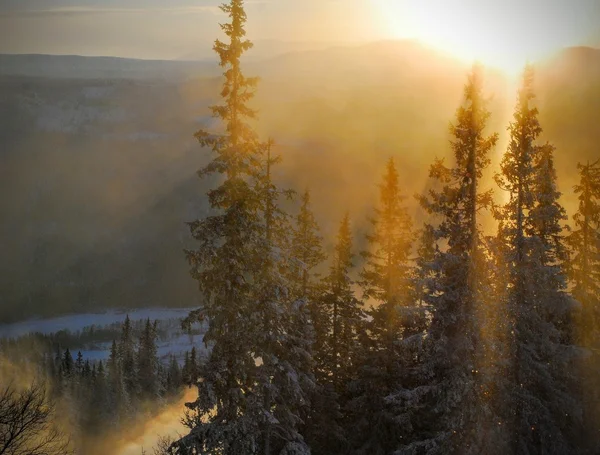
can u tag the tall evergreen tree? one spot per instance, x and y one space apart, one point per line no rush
536 305
584 241
147 363
193 366
322 421
387 279
584 272
338 321
241 406
67 366
448 394
118 395
79 364
174 377
386 275
284 339
344 312
99 408
185 370
306 251
126 355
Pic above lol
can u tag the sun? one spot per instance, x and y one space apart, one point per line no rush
497 34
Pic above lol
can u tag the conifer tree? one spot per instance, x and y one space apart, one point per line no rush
223 263
536 305
555 307
100 409
79 363
193 367
239 274
321 425
387 275
87 369
284 343
387 279
425 274
185 370
148 363
448 391
118 395
306 250
584 241
67 364
343 310
584 272
174 376
126 356
338 322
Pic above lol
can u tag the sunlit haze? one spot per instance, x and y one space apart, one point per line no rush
502 34
299 227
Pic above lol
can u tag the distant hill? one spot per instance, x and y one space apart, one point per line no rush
97 158
262 50
79 67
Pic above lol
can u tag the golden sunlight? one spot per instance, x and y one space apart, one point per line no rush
503 35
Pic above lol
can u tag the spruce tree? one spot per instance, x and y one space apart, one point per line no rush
193 367
67 365
533 388
448 394
174 377
126 355
425 274
557 431
87 369
306 250
185 370
285 340
387 279
79 364
584 241
584 272
517 176
321 425
118 395
344 311
249 386
338 322
223 264
147 363
99 407
387 275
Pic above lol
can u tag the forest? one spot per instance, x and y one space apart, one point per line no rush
470 329
450 339
96 399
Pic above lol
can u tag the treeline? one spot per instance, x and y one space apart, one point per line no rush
92 336
102 396
448 340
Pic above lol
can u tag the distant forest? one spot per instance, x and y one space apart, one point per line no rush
97 399
449 339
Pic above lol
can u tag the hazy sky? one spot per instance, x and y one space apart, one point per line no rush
175 28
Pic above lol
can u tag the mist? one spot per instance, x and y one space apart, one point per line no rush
87 163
